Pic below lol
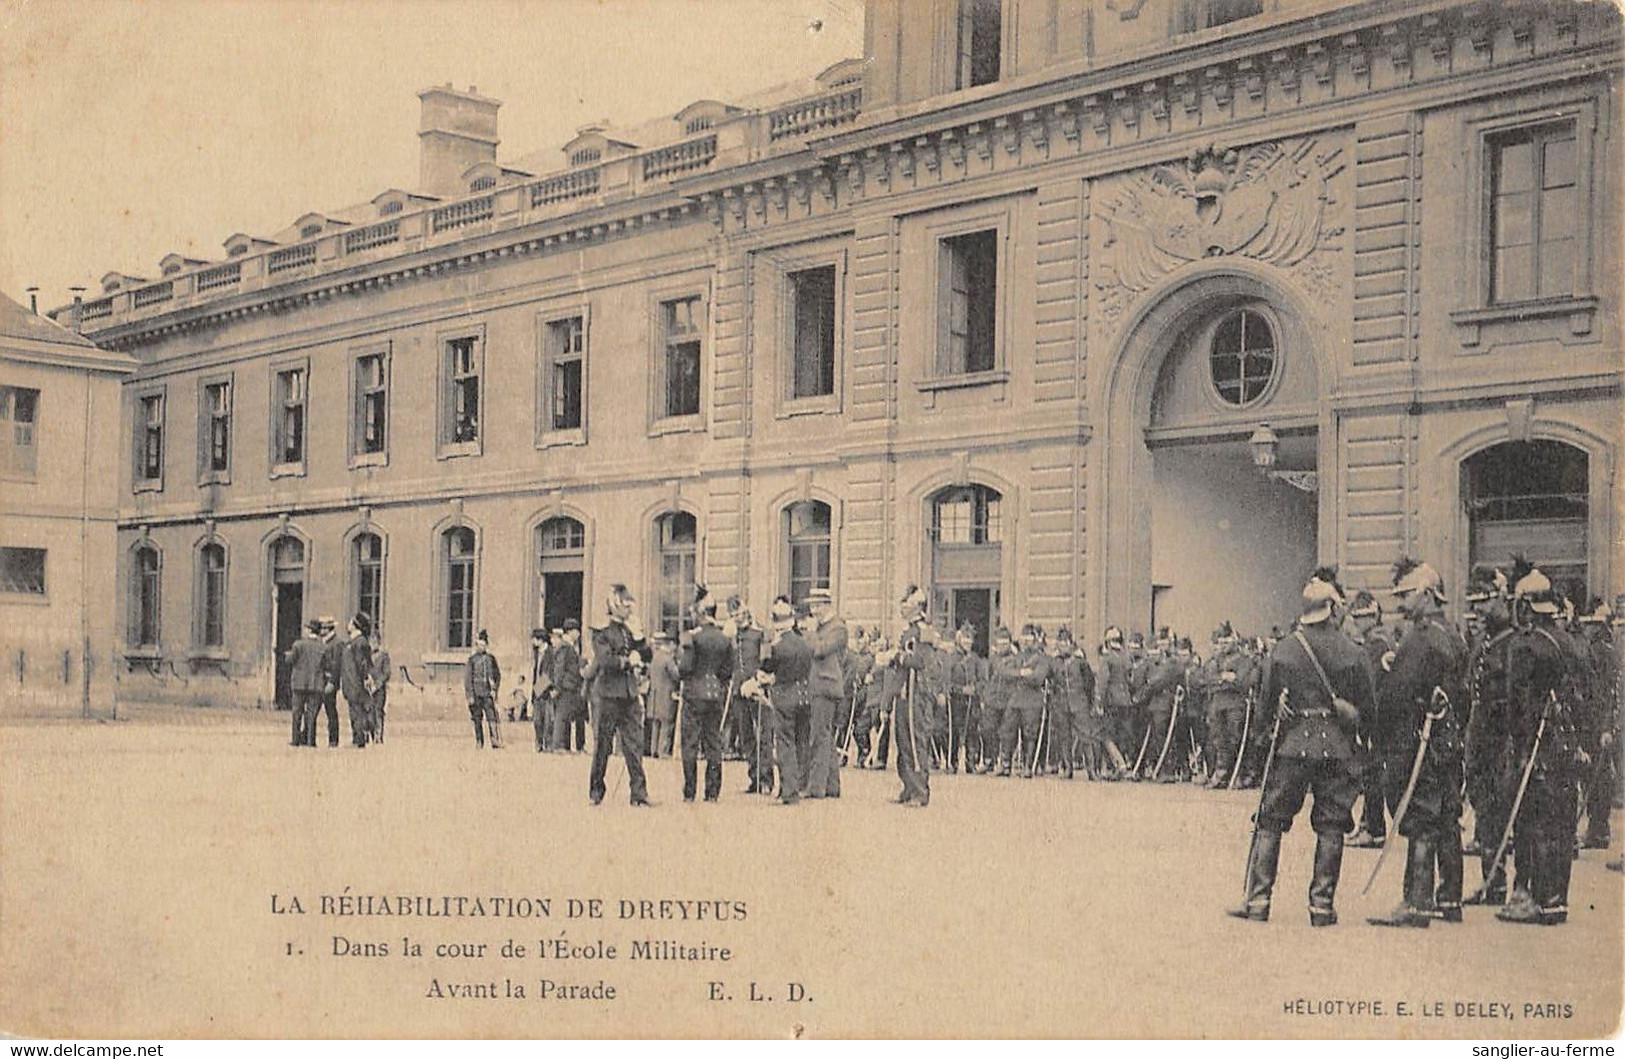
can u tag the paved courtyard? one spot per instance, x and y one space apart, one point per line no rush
149 865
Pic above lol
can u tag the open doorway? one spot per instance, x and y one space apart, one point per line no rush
288 611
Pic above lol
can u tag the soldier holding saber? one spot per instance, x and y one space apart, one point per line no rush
1319 682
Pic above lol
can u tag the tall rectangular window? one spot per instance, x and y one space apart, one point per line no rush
463 363
807 541
458 552
212 588
290 417
19 419
145 585
676 553
567 357
1534 208
682 328
22 571
216 413
813 296
149 439
967 303
1196 15
981 24
369 578
370 427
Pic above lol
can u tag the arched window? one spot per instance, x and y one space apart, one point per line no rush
1242 359
367 573
146 583
458 556
807 548
211 616
676 555
1530 498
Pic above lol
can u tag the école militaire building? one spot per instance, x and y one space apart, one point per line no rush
1076 311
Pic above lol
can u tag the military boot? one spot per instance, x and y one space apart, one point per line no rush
1413 911
1262 862
1448 898
1323 887
1521 909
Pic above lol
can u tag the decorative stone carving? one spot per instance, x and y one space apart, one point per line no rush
1270 202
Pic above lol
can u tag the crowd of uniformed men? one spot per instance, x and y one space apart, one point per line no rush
1516 714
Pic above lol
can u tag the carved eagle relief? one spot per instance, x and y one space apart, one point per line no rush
1263 202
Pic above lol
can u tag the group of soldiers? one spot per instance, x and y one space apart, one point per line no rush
1516 716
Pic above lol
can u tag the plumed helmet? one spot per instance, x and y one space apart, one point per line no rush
1320 597
1112 635
1413 576
1225 633
1535 588
1364 605
782 611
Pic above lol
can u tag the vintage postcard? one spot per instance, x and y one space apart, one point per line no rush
821 518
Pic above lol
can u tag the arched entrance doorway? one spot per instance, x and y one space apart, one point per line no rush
1530 498
1195 532
287 554
561 564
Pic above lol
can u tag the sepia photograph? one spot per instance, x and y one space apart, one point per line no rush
776 519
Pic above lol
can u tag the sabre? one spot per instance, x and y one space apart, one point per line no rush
1241 748
1168 737
1038 744
1139 758
1438 706
1263 788
912 746
1499 865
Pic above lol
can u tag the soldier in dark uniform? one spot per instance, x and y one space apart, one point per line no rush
1139 738
1024 712
1542 726
786 666
1230 677
1366 614
619 653
1602 724
382 667
1115 701
1073 721
909 695
874 726
850 749
1317 716
1425 680
749 726
1000 674
482 682
541 688
1164 673
963 678
705 663
1491 758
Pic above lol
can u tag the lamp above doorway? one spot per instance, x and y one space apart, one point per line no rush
1265 445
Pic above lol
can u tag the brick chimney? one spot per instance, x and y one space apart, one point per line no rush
457 130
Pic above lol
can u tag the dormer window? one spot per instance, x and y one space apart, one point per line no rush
389 208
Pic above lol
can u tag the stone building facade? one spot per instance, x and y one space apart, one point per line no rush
59 501
1077 311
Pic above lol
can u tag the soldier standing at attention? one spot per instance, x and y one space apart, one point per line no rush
332 655
910 696
1425 681
785 667
1073 722
619 654
1025 710
998 674
1492 759
1114 701
1366 614
1317 682
1542 726
306 682
1230 676
827 636
1603 723
705 662
1163 674
482 680
964 675
749 732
